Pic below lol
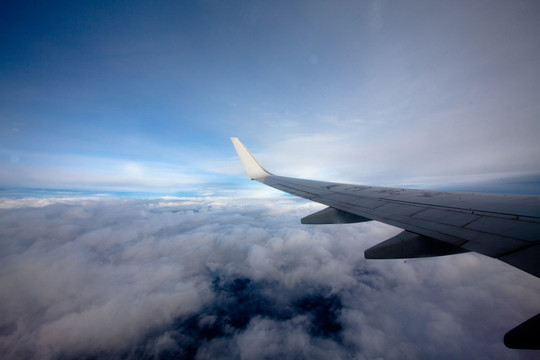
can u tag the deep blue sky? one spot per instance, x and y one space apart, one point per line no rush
143 96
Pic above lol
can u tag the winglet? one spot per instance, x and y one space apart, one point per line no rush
254 170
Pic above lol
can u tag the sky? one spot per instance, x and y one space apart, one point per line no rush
142 97
128 228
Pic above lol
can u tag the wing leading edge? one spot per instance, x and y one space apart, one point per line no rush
435 223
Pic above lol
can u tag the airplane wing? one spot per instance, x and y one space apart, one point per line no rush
434 223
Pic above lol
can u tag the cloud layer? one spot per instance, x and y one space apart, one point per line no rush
237 278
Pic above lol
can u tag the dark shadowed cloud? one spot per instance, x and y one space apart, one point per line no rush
235 278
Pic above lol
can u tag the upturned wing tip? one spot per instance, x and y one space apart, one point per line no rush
252 167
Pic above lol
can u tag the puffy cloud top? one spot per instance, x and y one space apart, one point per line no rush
237 278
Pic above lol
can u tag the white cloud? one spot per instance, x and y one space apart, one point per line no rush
225 277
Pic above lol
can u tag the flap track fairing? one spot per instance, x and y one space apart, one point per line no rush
407 245
331 215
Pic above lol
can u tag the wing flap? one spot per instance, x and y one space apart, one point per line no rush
525 259
406 245
525 336
331 215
